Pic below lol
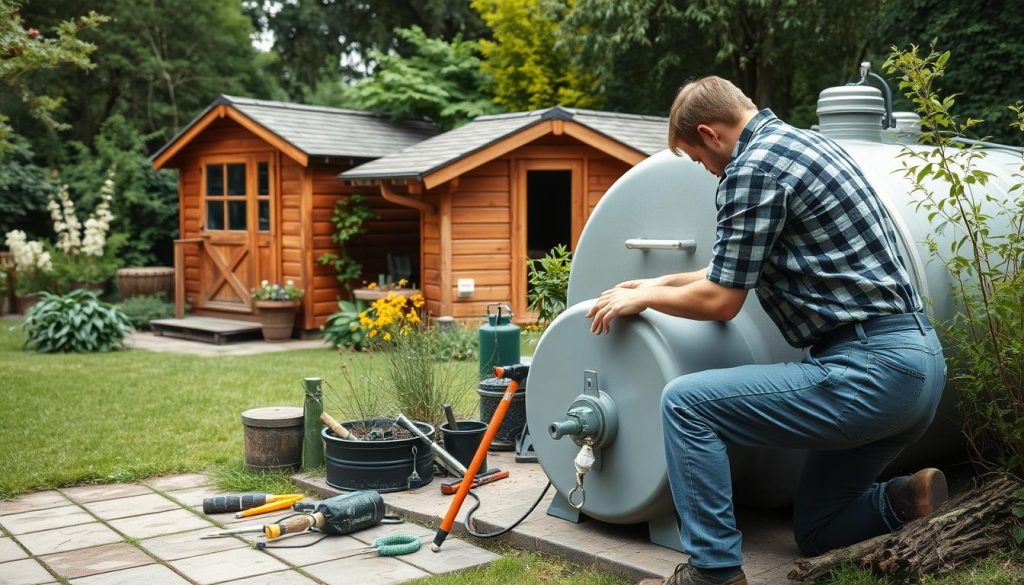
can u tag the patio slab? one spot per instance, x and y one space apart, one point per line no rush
45 519
36 501
626 550
25 572
98 559
151 342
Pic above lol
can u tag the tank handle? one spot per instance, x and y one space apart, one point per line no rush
642 244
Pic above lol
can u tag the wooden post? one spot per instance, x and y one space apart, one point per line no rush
179 280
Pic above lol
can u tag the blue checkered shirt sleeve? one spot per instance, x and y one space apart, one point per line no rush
751 213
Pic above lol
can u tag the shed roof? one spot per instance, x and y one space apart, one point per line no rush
317 130
643 134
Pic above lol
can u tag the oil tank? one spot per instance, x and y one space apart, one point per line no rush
660 218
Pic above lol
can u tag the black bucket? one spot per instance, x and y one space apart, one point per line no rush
383 466
463 443
491 391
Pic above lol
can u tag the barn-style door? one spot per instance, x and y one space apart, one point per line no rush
237 227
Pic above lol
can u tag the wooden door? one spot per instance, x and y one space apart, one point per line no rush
237 226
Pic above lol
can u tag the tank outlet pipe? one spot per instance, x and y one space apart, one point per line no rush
889 121
446 458
592 419
312 408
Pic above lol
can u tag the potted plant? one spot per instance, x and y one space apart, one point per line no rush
33 269
277 305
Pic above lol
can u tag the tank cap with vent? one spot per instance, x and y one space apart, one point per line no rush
907 130
851 112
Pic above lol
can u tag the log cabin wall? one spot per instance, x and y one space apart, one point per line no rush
482 229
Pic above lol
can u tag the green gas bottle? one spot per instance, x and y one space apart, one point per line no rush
499 340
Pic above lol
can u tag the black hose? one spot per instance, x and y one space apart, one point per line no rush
469 516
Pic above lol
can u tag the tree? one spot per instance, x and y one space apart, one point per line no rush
24 190
334 40
158 65
441 82
25 51
530 70
988 41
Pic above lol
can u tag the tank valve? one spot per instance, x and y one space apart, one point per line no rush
591 421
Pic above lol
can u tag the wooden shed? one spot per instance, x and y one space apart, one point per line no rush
257 184
503 189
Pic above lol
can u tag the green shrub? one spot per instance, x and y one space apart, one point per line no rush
460 343
141 310
75 323
342 329
549 283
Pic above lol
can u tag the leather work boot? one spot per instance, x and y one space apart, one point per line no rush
688 575
918 495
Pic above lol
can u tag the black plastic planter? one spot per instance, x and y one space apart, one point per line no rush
383 466
491 391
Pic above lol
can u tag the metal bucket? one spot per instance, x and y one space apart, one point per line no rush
383 466
273 438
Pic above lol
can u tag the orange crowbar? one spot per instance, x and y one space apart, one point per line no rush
516 374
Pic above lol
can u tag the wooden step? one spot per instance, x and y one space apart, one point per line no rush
207 329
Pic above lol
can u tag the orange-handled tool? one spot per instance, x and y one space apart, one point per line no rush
290 525
516 374
285 501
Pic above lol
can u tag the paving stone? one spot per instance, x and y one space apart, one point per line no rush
328 549
182 481
98 559
68 538
455 555
131 506
36 501
36 520
773 577
365 571
95 493
155 573
24 572
179 520
368 535
188 544
193 497
226 565
282 578
9 550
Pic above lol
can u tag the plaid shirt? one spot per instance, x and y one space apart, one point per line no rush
798 220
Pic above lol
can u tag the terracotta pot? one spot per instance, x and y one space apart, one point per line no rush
25 302
133 282
277 318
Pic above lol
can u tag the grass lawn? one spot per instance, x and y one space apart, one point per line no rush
103 418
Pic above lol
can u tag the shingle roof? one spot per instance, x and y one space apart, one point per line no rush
646 134
323 131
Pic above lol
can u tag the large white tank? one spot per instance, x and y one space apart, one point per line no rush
666 206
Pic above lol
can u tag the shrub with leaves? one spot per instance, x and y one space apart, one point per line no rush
142 309
343 329
460 343
350 215
549 283
77 322
985 340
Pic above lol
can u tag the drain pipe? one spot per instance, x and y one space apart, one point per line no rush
865 71
404 200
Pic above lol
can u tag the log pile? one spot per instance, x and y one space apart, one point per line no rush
972 525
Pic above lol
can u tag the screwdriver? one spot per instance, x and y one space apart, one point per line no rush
287 526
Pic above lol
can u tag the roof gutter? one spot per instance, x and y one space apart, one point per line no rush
405 201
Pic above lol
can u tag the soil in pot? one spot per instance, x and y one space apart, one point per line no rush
383 461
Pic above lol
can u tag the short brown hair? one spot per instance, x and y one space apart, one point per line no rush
702 101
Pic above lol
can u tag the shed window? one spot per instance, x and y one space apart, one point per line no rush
233 191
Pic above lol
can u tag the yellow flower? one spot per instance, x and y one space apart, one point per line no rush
373 333
372 285
387 337
402 282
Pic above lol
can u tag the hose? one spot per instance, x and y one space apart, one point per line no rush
469 516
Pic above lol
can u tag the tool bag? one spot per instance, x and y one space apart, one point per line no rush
351 512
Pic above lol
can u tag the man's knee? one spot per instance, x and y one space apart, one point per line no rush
682 394
807 541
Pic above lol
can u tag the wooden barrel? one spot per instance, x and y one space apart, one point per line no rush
273 438
133 282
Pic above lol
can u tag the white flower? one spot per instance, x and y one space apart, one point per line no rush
265 283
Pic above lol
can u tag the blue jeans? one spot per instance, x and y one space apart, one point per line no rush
855 404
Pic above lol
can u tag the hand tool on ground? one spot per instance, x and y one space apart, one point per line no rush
281 504
238 502
517 375
448 414
491 475
450 463
290 525
336 427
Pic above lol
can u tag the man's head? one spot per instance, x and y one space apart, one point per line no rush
707 118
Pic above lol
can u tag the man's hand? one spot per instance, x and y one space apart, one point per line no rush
615 302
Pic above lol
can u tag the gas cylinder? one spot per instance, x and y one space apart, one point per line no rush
499 340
